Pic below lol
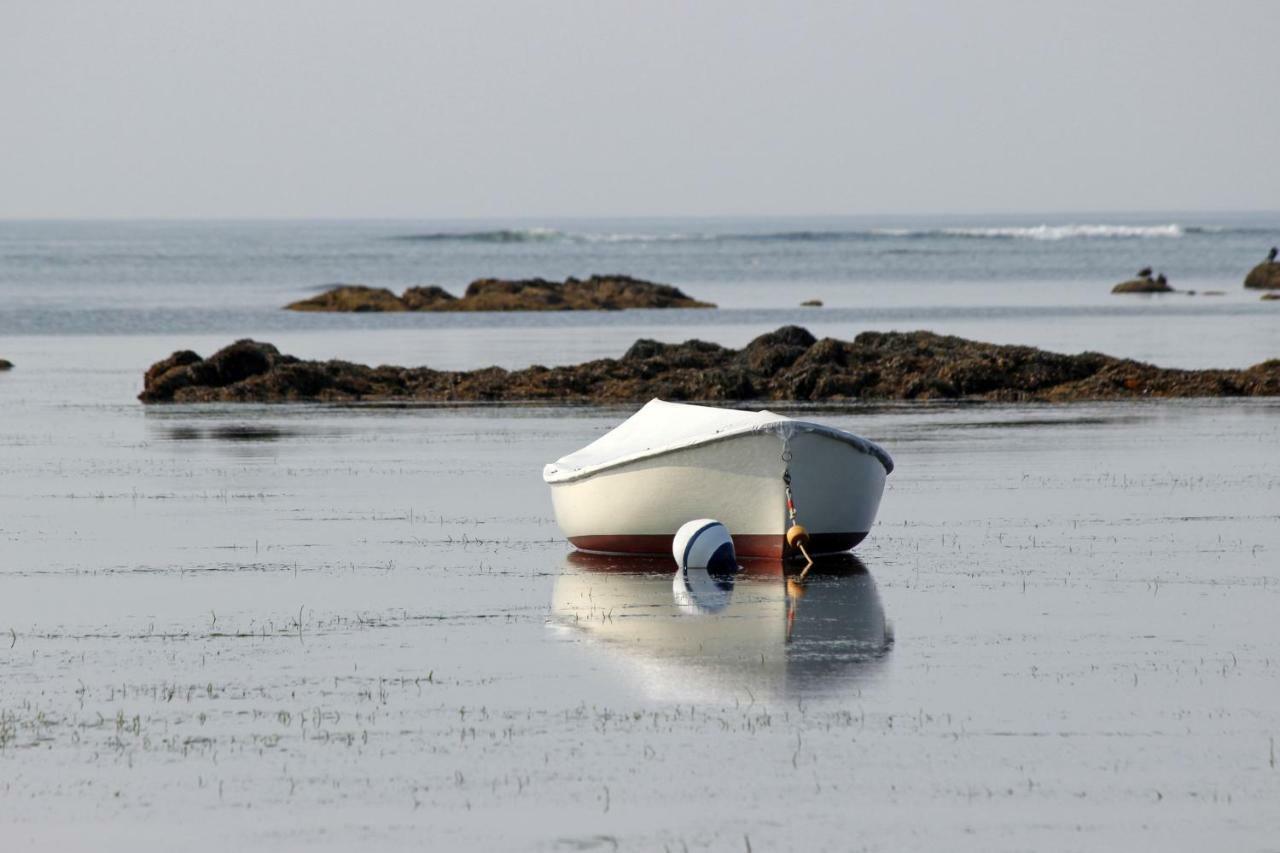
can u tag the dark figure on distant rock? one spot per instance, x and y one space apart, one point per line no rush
1271 256
1162 281
1145 272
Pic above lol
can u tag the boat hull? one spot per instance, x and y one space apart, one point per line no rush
636 507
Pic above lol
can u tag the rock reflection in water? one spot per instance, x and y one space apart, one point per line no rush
226 432
758 634
239 439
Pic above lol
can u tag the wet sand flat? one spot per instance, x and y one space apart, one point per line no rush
295 625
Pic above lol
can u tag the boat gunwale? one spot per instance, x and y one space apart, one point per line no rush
778 427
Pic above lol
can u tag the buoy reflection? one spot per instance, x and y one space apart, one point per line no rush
702 590
690 633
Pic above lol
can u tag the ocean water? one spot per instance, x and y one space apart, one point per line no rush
1035 280
350 627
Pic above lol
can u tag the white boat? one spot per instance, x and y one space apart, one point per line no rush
632 488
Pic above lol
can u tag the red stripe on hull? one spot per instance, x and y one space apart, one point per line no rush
662 564
768 545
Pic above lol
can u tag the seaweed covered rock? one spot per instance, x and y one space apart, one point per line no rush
427 298
1265 276
614 292
785 365
597 293
1143 285
495 294
236 364
778 349
351 298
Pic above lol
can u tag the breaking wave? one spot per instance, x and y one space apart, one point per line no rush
1069 232
500 235
1085 231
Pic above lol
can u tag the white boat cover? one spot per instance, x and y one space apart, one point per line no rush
661 427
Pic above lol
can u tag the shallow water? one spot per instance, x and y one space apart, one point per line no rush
256 627
265 627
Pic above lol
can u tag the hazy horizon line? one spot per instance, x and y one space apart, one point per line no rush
247 218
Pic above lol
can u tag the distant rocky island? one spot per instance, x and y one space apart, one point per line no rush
788 364
5 365
1144 283
1265 276
597 293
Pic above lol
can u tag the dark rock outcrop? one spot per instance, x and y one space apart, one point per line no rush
597 293
811 303
5 365
1267 297
1143 285
351 297
428 298
1265 276
786 364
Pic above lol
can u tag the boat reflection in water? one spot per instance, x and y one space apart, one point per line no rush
759 633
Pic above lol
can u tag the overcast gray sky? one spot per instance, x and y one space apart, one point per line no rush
418 109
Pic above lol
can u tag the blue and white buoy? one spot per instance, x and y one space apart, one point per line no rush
704 543
703 550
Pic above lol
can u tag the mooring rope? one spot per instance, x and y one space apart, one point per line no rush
797 535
